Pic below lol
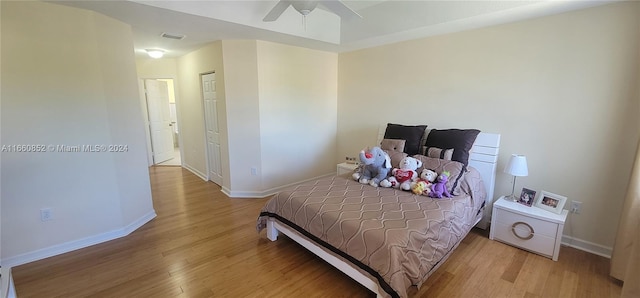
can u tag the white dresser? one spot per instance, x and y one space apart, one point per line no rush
529 228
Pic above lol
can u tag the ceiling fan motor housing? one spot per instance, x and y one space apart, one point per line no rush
304 7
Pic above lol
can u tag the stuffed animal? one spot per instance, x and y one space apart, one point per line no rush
403 177
439 188
376 166
422 186
357 173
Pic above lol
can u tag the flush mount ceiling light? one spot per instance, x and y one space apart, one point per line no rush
155 53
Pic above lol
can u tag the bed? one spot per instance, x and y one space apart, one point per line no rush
384 238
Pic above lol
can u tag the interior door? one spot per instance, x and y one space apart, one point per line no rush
159 120
211 127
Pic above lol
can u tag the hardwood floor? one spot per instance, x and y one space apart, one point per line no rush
204 244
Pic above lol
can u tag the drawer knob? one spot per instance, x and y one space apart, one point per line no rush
513 230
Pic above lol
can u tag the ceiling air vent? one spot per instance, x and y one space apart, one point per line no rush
172 36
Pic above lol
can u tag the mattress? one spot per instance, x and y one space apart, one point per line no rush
397 237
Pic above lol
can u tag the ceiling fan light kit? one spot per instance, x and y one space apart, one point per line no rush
306 7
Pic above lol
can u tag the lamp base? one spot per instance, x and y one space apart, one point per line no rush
512 197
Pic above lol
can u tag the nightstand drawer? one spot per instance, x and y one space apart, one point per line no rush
540 227
538 243
529 228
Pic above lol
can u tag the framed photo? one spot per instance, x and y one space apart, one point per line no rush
550 202
527 197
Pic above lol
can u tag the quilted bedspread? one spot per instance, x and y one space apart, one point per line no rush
398 237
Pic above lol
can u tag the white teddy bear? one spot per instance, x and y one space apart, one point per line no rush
403 176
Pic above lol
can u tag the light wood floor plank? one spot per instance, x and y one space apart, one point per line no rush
204 244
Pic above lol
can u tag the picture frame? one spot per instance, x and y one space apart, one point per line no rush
527 197
550 202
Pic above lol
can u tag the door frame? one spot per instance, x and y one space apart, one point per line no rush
145 116
204 117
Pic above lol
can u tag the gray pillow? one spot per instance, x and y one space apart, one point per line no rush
392 145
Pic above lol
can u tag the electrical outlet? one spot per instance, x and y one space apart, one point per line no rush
46 214
351 160
576 207
254 171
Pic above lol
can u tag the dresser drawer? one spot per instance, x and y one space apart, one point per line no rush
538 243
540 227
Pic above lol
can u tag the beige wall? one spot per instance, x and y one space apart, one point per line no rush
81 91
164 68
243 116
559 89
263 88
190 106
298 112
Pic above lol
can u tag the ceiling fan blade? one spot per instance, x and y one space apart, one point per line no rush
276 11
340 9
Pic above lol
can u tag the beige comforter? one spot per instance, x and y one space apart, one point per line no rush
398 237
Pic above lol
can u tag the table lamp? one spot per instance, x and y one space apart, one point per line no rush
517 167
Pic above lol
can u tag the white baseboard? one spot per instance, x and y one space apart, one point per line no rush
268 192
77 244
194 171
590 247
11 292
6 283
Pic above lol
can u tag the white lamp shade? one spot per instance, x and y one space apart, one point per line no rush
517 165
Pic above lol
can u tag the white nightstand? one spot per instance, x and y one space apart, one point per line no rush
529 228
344 168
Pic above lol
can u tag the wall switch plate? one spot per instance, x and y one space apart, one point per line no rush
576 207
254 171
46 214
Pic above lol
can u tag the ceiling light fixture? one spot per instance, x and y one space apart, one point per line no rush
155 53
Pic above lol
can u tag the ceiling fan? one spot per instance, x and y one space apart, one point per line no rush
305 7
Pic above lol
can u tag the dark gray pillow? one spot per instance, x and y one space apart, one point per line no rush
411 134
461 140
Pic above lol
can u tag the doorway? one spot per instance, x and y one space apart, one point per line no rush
162 118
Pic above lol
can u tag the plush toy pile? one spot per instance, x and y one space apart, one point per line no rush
375 170
405 175
422 186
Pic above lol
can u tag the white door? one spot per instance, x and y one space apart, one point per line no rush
212 128
159 120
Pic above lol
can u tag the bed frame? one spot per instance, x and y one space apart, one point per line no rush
483 157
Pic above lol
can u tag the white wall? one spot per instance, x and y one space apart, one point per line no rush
298 112
81 91
560 89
